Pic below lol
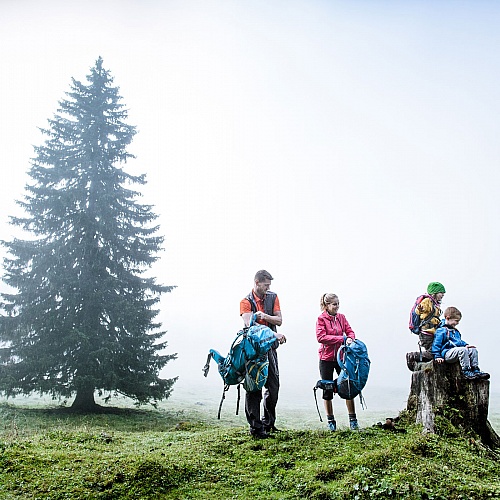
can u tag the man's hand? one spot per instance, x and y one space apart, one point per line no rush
281 338
272 320
260 315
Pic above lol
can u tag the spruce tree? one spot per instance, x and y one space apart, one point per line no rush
81 317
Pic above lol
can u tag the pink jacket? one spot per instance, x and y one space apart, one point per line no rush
330 334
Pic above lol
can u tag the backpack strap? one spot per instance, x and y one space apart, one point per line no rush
427 321
315 388
226 388
238 399
341 351
251 299
207 365
362 401
324 384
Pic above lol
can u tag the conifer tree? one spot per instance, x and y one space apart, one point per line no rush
81 317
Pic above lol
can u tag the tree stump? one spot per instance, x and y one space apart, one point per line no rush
441 390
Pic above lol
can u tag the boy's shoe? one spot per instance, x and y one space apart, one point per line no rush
469 375
479 374
332 425
353 425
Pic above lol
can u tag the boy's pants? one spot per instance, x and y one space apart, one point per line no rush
253 399
467 356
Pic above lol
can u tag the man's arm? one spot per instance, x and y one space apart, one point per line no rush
273 320
247 317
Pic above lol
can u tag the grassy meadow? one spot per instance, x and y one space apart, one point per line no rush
181 451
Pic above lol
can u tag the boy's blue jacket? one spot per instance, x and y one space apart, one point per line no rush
446 338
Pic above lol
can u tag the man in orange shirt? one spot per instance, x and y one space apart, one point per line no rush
266 307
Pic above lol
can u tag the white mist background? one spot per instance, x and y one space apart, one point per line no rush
346 147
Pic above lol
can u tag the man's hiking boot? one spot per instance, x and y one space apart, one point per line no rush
479 374
271 428
332 425
353 425
469 375
259 433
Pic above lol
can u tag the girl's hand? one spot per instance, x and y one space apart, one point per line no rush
348 341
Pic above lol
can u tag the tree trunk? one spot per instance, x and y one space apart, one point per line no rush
441 390
84 400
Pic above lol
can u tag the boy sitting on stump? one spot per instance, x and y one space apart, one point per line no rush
449 347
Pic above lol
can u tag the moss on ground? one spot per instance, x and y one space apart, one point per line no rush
140 454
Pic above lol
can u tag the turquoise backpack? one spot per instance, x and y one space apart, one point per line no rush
246 362
354 369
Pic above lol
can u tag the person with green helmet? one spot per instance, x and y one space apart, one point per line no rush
428 310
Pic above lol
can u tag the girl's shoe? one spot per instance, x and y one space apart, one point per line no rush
353 425
332 425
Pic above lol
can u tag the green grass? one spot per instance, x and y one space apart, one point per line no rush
185 453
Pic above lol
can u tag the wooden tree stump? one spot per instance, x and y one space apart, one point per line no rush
440 389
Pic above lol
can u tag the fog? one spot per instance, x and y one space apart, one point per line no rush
346 147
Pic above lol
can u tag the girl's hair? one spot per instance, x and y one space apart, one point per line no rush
326 299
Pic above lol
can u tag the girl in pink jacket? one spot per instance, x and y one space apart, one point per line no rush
330 329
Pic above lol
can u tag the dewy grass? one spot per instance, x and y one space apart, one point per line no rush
154 454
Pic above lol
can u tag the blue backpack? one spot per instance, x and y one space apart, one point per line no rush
354 369
246 361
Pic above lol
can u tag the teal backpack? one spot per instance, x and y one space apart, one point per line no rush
354 369
246 362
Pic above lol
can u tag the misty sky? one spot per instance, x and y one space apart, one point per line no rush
346 147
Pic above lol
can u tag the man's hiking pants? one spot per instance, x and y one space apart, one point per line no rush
253 399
